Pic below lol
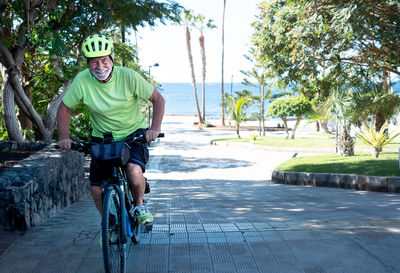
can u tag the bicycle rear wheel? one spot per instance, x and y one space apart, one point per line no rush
114 250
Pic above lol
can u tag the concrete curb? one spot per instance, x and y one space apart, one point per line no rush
345 181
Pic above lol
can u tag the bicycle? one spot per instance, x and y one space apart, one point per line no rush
119 218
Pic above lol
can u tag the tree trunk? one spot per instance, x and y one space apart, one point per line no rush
25 103
13 91
222 68
189 50
24 120
51 113
375 152
237 129
379 121
10 117
262 111
285 126
203 59
324 125
298 120
317 126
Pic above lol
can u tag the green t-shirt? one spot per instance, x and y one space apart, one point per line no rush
114 105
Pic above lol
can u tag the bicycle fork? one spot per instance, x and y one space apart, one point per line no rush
123 214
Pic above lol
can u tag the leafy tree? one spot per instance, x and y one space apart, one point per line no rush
39 50
259 73
236 109
290 107
303 38
321 45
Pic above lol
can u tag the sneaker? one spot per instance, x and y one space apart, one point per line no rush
144 215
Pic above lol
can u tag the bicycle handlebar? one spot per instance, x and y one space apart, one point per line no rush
84 146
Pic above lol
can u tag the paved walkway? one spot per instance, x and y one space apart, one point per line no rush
215 211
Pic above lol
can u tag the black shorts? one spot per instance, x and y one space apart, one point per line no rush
100 170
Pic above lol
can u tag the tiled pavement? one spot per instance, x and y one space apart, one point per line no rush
215 212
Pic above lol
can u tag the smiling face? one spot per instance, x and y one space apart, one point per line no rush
100 67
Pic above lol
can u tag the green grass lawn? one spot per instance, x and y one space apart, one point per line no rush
361 163
303 142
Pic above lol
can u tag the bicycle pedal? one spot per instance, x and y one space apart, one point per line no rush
148 227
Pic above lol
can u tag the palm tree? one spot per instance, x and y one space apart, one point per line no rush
222 74
188 19
378 103
236 108
201 24
266 92
340 106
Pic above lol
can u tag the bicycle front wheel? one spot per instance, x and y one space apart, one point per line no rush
114 249
137 230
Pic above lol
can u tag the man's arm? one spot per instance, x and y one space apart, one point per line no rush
63 117
158 114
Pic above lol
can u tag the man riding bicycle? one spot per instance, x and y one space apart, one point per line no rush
112 95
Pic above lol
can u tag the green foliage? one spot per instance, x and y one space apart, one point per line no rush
319 47
202 23
374 103
289 107
284 108
80 123
338 105
377 140
237 108
49 39
3 134
300 39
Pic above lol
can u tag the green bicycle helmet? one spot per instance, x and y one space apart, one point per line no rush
97 45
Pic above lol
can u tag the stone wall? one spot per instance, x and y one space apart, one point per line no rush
39 186
346 181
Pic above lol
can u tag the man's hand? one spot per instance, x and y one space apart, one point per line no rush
152 134
65 144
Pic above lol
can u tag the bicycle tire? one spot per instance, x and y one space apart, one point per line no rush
114 250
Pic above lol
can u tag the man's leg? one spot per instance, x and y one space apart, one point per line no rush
137 182
96 195
138 185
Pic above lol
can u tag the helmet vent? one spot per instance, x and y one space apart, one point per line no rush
87 48
93 46
106 46
100 45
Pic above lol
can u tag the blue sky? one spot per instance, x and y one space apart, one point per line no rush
165 44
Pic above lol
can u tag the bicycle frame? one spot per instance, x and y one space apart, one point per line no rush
117 185
119 182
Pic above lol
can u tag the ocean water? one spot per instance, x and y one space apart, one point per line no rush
179 97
